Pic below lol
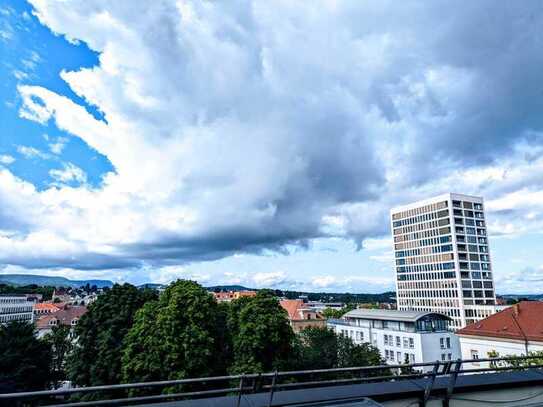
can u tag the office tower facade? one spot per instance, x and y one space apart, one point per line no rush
442 259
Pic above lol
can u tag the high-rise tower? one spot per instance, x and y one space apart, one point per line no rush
442 259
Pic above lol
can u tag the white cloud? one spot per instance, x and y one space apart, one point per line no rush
58 145
32 152
270 279
6 159
68 173
251 127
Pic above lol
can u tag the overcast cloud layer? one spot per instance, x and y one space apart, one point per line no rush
246 126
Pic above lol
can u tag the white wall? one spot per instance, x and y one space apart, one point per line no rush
504 347
426 345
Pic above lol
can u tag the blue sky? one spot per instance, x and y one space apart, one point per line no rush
250 144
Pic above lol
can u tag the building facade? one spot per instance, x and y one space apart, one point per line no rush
442 258
15 307
401 336
68 316
301 315
515 331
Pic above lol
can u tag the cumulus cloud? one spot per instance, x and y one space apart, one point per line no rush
6 159
57 145
246 126
31 152
68 173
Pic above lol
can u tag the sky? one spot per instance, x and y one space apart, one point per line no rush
263 143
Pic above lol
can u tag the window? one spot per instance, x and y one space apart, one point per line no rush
399 356
470 231
387 354
391 355
474 354
411 358
398 342
449 356
405 343
386 341
449 344
411 343
442 356
442 343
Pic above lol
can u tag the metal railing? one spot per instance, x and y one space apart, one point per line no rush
270 383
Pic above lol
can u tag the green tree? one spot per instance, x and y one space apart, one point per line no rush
262 339
61 346
175 337
322 348
536 359
353 355
96 358
337 313
319 348
25 361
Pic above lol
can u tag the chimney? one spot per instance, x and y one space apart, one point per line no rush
516 310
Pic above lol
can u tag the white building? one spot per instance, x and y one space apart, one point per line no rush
14 307
515 331
401 336
442 259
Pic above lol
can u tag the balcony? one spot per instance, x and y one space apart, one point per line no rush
449 383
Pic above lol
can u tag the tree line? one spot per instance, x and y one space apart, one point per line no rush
134 335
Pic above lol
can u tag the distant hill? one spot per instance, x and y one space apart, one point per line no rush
534 297
28 279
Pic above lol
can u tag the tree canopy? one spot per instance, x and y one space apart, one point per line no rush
175 337
262 339
96 359
61 346
322 348
25 361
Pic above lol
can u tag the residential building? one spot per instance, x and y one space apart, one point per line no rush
301 315
227 296
517 330
15 307
61 295
442 258
44 308
68 316
401 336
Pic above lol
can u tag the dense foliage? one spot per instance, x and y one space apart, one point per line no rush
25 361
321 348
175 337
262 339
61 345
96 358
337 313
130 334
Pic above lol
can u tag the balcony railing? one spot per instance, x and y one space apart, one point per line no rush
268 383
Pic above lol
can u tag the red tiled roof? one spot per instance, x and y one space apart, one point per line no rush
63 316
292 307
521 321
46 306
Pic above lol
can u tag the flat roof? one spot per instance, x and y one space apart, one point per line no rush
435 199
390 315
